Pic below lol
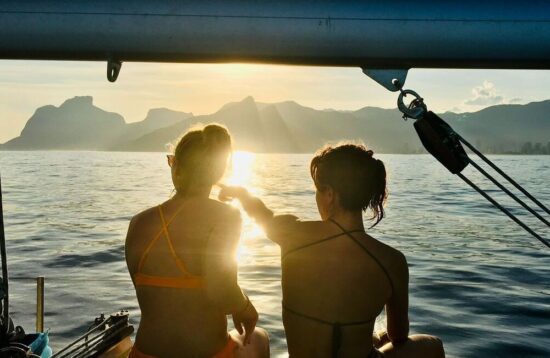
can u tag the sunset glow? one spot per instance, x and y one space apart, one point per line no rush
240 169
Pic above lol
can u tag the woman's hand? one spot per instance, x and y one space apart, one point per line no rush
252 205
229 192
380 338
245 321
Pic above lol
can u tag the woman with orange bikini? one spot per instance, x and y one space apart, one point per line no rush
181 257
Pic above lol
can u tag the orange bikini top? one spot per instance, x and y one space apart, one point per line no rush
185 280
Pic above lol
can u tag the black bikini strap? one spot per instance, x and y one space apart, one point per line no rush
296 313
318 320
336 327
318 242
344 231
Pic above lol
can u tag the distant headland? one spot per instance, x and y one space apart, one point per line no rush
285 127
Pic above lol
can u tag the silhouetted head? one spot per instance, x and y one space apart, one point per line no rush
200 159
347 177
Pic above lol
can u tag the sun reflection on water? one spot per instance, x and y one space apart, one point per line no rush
241 173
240 170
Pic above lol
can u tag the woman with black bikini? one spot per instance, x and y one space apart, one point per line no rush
336 278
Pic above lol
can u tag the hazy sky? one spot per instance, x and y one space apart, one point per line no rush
203 88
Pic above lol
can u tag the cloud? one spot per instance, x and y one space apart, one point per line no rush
485 95
515 100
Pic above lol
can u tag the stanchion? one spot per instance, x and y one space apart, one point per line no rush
40 304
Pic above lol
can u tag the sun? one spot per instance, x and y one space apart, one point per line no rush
241 167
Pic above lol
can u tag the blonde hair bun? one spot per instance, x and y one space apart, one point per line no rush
216 135
201 157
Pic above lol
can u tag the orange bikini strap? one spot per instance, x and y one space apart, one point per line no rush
180 264
154 240
164 226
146 251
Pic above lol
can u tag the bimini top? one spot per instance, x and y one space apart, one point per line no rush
374 34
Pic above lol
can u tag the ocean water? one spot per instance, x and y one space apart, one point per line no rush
477 280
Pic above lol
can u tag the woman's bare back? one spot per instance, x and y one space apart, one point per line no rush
328 278
181 320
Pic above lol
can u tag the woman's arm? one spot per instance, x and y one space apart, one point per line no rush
253 206
220 266
397 307
220 275
277 227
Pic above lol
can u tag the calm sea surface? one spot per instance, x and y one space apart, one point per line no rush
477 280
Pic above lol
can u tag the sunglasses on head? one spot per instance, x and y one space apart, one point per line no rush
171 158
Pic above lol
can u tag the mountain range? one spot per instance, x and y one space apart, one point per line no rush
285 127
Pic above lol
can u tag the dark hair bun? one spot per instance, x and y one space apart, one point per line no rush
355 175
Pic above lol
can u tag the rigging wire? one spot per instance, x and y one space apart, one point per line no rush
444 144
510 194
498 170
503 209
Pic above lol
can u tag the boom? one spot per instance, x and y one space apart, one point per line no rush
371 34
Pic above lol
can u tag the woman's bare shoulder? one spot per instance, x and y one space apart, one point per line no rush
393 259
216 207
292 225
143 217
285 228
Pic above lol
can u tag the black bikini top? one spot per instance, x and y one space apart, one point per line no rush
337 326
